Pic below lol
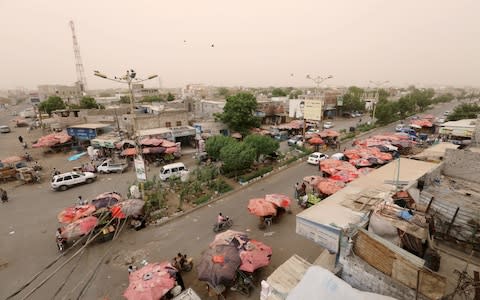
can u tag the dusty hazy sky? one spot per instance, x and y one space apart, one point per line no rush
257 42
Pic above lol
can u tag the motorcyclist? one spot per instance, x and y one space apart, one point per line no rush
220 218
60 240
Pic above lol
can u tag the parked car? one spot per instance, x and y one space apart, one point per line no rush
316 157
357 114
400 127
441 120
338 156
4 129
327 125
446 113
295 140
173 170
348 115
312 130
66 180
109 166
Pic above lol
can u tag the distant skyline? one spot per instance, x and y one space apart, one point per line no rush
242 43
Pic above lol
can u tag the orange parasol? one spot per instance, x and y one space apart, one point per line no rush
261 208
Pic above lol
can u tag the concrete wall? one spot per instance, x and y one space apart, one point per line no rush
165 119
211 127
476 134
462 164
362 276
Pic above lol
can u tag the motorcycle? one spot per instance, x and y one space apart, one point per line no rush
61 244
185 264
218 227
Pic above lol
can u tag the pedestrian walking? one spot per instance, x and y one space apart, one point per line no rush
20 139
297 187
80 200
25 146
3 195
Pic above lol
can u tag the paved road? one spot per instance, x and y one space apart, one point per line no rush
29 221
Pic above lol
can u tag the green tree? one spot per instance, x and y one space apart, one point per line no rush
238 113
88 102
216 143
51 104
465 111
278 92
386 112
170 97
352 99
262 144
223 92
383 95
124 99
294 94
237 157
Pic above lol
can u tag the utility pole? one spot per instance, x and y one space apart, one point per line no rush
317 80
378 84
128 78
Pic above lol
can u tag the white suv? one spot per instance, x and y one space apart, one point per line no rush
316 157
63 181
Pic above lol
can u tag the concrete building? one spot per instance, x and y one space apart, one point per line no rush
205 109
69 94
384 258
461 128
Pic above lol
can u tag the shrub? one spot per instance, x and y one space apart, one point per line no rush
256 174
348 136
203 199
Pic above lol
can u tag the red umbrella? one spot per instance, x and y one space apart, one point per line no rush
106 199
255 255
151 142
261 208
279 200
168 144
79 227
219 265
329 133
127 208
129 152
315 141
345 175
170 150
151 282
329 186
226 238
313 180
12 159
73 213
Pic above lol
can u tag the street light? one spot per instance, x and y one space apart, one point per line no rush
129 77
317 80
378 84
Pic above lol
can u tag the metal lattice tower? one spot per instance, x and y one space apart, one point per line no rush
81 80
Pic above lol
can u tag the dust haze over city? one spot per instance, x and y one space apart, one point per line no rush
256 43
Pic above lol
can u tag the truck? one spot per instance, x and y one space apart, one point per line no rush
110 166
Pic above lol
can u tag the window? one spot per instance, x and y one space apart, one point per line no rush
181 168
59 179
179 123
174 170
168 124
67 178
76 176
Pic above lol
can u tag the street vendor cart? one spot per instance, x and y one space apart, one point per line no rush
28 175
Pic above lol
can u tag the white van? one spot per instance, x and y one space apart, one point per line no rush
172 170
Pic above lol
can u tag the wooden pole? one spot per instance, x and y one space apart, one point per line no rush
451 223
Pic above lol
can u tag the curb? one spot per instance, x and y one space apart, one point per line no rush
166 220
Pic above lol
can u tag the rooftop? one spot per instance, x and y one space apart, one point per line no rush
90 125
461 123
332 211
